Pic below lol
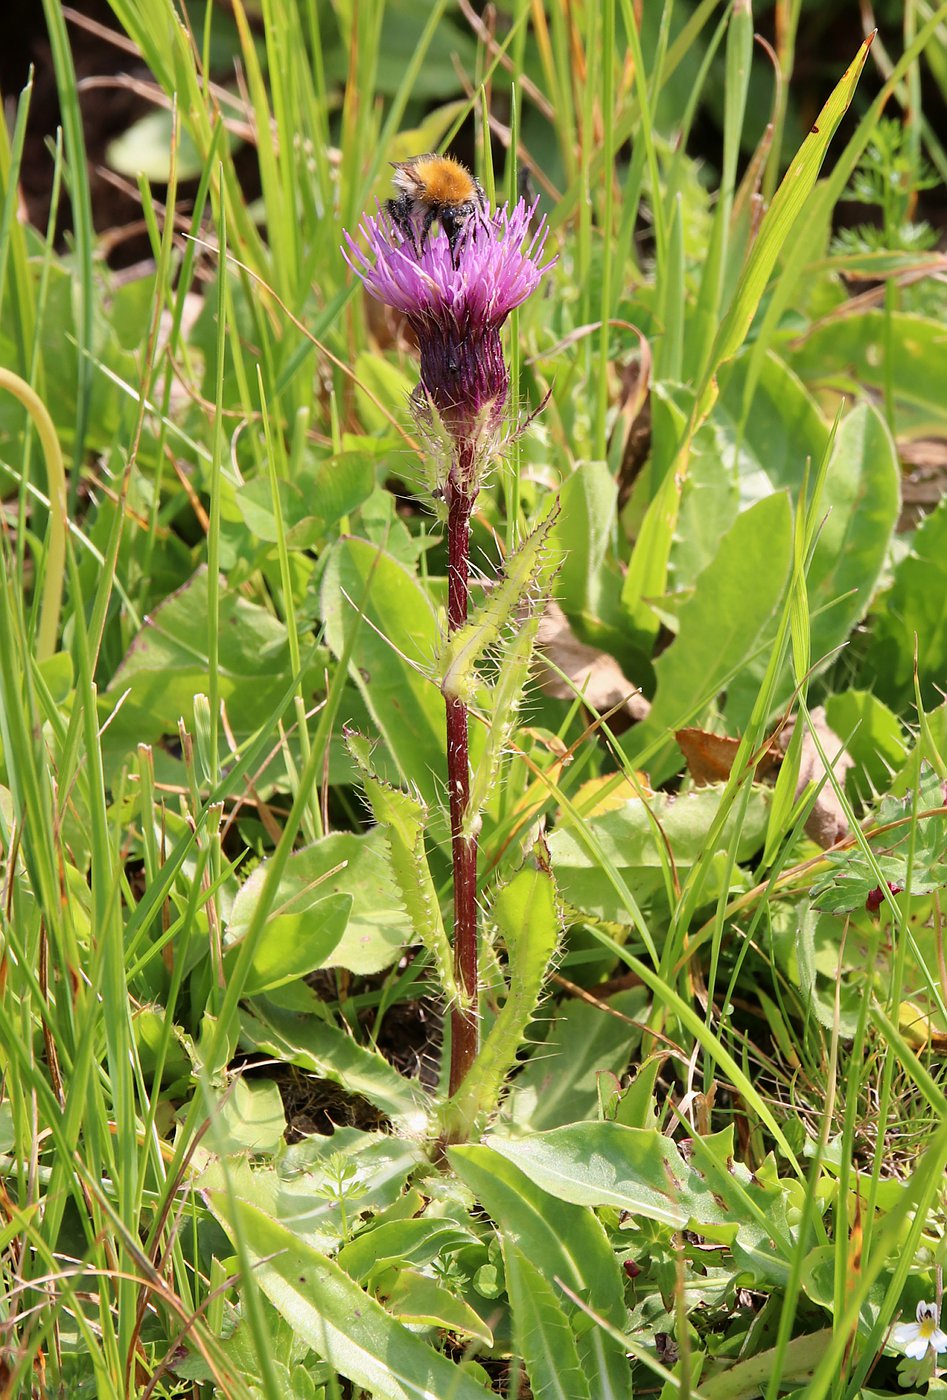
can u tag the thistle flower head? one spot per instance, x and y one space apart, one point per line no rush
456 307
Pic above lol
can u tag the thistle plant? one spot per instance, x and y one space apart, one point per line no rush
456 300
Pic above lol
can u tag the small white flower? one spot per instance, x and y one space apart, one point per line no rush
915 1337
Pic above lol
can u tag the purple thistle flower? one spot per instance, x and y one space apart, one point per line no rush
456 310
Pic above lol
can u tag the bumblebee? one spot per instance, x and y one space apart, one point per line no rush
434 188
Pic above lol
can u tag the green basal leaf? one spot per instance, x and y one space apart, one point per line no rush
643 1172
331 1053
541 1332
914 605
291 945
564 1241
340 864
337 1319
399 1243
647 571
418 1300
628 838
560 1083
875 349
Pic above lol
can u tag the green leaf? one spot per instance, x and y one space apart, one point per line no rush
860 501
733 601
788 204
747 1379
249 1118
144 148
872 735
404 819
337 1319
915 604
541 1332
628 838
312 503
398 1243
559 1084
855 353
582 536
290 945
377 927
527 917
563 1241
167 665
330 1053
642 1171
647 571
369 595
419 1300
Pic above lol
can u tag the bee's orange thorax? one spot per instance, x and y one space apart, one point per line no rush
443 180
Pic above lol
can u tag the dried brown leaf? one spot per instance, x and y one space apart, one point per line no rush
595 674
710 756
827 822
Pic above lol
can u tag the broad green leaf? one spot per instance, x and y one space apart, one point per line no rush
144 148
249 1118
559 1084
401 1242
337 1319
738 457
290 945
312 503
642 1171
377 927
418 1299
367 593
325 1050
855 353
288 1353
628 837
167 665
564 1241
647 571
541 1332
733 600
748 1379
873 736
582 537
861 501
915 604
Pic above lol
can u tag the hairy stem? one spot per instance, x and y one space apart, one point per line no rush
464 1021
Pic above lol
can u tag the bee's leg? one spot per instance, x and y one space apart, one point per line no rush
400 212
452 231
429 216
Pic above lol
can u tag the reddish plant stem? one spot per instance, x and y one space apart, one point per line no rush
464 1021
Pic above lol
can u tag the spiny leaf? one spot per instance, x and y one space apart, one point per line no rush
526 569
404 818
527 915
507 696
